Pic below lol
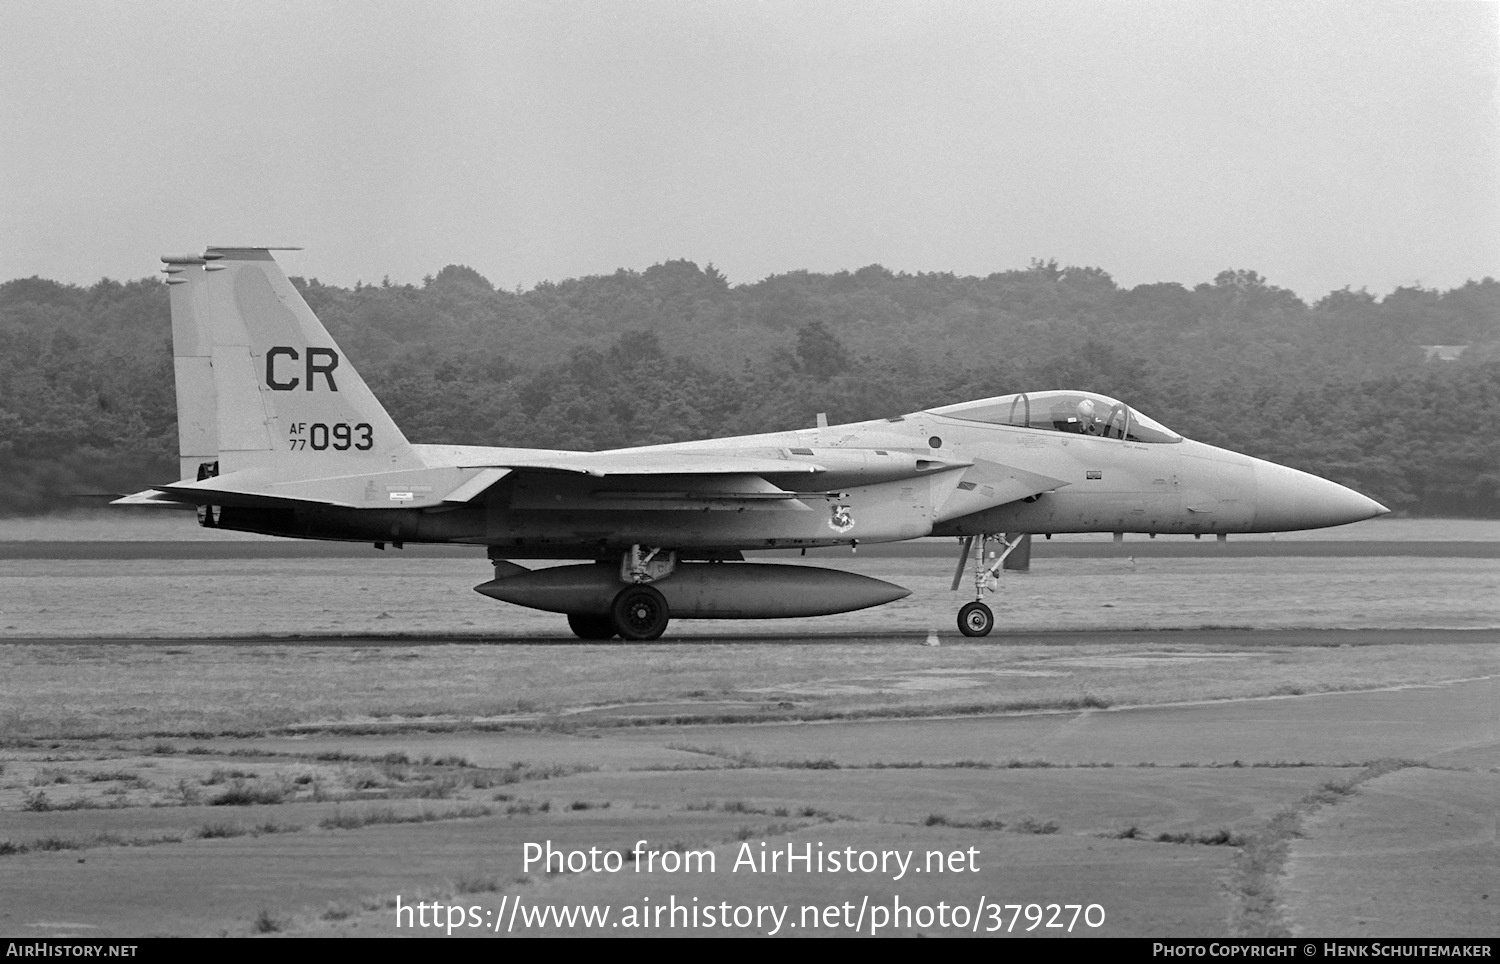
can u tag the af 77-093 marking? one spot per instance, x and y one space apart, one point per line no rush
279 435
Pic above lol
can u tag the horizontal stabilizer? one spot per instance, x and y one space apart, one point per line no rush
400 489
154 497
476 486
223 491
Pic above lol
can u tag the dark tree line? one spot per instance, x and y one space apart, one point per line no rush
1341 387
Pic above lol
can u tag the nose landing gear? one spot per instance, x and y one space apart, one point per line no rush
975 618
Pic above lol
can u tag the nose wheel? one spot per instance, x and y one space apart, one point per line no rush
975 619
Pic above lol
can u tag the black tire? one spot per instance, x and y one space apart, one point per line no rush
639 613
591 625
975 619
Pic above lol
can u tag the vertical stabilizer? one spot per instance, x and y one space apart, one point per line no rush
260 383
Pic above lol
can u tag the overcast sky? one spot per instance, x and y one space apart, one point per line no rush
1322 144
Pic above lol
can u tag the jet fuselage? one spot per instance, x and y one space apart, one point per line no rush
1111 484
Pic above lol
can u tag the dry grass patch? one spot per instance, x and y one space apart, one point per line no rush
1257 911
387 815
105 839
87 690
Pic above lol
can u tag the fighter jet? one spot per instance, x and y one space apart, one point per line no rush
279 435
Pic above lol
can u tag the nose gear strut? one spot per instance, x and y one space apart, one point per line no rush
975 618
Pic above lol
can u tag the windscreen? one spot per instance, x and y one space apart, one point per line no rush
1077 413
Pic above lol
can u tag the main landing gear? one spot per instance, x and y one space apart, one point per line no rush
975 618
639 612
590 626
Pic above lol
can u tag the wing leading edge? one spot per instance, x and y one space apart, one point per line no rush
667 478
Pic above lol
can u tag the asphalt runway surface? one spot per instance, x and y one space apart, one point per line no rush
944 549
1443 578
1249 638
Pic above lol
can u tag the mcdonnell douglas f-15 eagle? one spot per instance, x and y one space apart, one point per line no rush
279 435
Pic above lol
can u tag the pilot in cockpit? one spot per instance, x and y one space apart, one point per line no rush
1080 419
1088 420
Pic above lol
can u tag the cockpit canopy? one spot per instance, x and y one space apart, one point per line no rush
1080 413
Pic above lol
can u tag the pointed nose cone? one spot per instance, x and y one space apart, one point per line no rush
1287 499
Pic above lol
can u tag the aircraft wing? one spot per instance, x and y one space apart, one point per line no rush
715 477
601 464
829 467
706 476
